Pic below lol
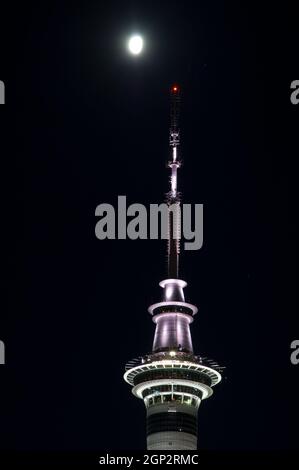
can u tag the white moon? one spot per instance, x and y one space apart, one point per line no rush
135 44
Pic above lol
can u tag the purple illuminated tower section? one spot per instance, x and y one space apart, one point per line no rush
171 380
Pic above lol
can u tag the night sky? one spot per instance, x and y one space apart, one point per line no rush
85 122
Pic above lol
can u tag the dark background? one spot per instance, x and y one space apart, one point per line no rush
85 122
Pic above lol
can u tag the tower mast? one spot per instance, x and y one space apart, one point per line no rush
173 197
171 380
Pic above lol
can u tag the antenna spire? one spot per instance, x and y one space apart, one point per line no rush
173 196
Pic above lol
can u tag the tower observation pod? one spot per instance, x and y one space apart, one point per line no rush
171 380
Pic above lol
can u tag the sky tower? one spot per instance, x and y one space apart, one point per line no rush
171 380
